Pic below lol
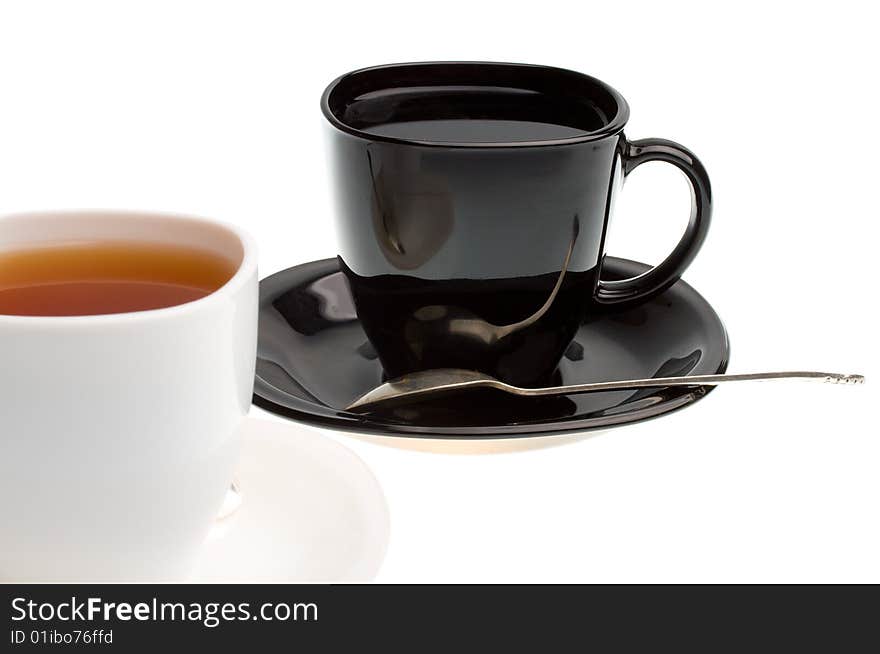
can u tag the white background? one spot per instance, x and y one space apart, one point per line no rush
212 108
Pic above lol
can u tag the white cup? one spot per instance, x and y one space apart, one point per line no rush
118 433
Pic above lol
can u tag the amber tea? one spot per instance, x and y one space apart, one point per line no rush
105 277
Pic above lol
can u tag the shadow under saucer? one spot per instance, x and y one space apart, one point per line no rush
459 446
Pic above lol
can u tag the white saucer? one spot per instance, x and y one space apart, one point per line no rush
311 511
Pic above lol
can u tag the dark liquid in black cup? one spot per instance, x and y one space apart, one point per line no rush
473 114
475 131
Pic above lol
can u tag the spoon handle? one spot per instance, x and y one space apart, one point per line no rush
695 380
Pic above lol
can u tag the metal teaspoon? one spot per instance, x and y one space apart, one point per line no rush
418 385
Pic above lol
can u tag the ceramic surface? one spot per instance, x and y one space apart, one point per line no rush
314 358
311 511
472 200
119 432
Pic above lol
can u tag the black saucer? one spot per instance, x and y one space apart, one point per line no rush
313 358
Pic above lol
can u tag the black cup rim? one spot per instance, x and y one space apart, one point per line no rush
614 126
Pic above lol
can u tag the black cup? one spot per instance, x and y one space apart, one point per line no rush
472 205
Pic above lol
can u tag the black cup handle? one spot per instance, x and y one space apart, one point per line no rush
645 286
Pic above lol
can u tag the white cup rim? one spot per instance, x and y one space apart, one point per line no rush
246 267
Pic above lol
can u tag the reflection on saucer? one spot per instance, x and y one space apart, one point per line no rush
311 511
